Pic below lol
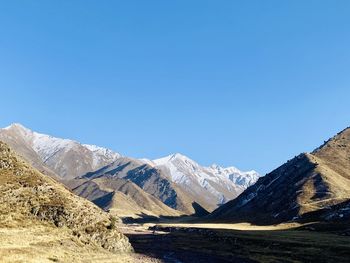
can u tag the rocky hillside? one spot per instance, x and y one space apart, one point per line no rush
178 181
123 198
309 187
29 198
150 180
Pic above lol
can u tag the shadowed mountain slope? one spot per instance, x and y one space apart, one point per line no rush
211 186
178 182
309 187
150 180
123 198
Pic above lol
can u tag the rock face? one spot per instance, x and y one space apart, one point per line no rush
309 187
29 198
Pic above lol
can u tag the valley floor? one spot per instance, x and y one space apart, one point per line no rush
238 243
184 243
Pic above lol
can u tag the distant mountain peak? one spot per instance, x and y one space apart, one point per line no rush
78 158
177 156
18 127
171 158
15 125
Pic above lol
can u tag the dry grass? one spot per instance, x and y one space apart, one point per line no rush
280 243
48 244
41 221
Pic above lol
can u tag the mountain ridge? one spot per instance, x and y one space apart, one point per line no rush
62 156
311 186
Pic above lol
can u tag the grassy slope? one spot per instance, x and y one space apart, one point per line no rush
43 243
51 220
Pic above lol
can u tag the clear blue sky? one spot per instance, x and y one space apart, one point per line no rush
244 83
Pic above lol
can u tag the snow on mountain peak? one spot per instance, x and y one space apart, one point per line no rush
170 158
101 150
183 170
178 156
180 168
16 125
215 166
147 161
47 146
20 128
216 181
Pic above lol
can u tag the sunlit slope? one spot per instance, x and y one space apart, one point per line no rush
29 199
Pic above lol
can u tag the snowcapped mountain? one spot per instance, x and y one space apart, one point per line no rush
181 167
67 158
178 181
238 177
215 184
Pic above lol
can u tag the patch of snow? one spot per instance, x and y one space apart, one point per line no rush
100 153
244 179
184 171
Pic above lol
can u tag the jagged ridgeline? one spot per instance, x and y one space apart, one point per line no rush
29 198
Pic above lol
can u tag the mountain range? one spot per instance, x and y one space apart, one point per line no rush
168 186
46 214
310 186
